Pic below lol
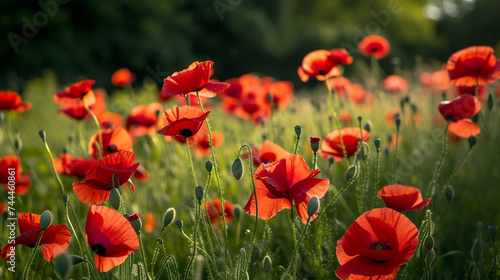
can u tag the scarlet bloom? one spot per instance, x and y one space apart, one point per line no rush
439 80
375 245
318 64
340 57
96 187
111 236
473 66
374 45
339 85
113 140
193 79
110 120
464 128
285 182
462 107
269 152
74 108
10 100
402 198
81 90
55 239
482 91
122 77
331 148
395 83
21 181
215 212
142 119
182 121
73 166
150 223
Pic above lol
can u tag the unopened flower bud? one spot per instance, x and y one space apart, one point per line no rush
315 143
330 161
237 211
267 264
368 126
135 221
114 198
472 141
449 193
45 220
43 135
169 217
256 252
65 198
312 206
360 118
493 229
429 257
376 142
491 102
298 130
198 192
237 168
180 224
351 172
397 120
64 265
209 165
429 243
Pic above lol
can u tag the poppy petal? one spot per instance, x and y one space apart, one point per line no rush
304 190
464 128
269 204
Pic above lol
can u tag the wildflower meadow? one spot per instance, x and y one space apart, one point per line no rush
367 173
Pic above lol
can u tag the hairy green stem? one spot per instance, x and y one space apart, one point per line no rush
32 257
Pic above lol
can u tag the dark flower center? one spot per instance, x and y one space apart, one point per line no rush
321 72
186 132
31 245
380 245
111 148
99 249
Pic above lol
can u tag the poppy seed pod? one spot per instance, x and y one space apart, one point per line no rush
45 220
376 142
315 143
65 198
180 224
169 217
312 206
298 130
199 191
429 257
209 166
368 126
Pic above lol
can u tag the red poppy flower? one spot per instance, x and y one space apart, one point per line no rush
317 64
73 166
142 119
339 85
193 79
111 236
395 83
183 121
269 152
285 182
81 90
330 147
440 80
215 212
150 223
21 180
122 77
374 45
10 100
402 198
340 57
464 128
281 91
375 245
202 142
55 239
345 117
482 91
473 66
462 107
74 108
113 140
96 187
141 174
358 94
110 120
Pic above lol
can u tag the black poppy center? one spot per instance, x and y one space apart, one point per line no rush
380 245
321 72
31 245
99 249
186 132
111 148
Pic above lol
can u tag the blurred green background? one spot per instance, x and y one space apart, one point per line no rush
93 38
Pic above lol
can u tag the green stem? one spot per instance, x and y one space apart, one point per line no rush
377 179
396 155
433 182
96 121
495 261
374 71
190 159
198 210
337 121
32 257
296 145
219 185
53 165
143 254
455 171
293 263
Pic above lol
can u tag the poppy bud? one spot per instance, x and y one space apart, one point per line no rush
449 193
267 264
351 172
114 198
368 126
493 229
42 134
429 257
429 243
135 221
209 165
360 118
376 142
298 130
330 161
18 143
237 168
256 252
397 119
65 198
237 212
312 206
315 143
71 138
179 224
472 141
45 220
491 102
169 217
386 151
198 192
64 265
76 259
